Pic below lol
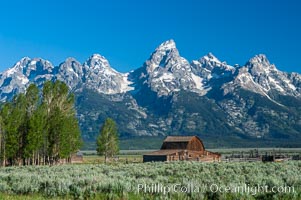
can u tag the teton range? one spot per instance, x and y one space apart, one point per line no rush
249 105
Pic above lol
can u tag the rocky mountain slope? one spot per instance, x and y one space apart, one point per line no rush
227 105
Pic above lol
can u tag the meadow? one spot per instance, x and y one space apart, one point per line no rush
174 180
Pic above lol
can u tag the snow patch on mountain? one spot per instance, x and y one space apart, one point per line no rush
168 45
210 67
167 72
104 79
269 77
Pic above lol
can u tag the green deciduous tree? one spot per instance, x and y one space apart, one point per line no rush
107 141
63 129
16 132
39 128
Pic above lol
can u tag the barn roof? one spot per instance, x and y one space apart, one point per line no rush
181 142
178 138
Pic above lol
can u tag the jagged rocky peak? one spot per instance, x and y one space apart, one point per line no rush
24 72
97 56
97 61
260 58
163 54
168 72
209 66
98 64
70 64
260 64
209 61
70 60
22 63
40 66
167 45
210 58
165 72
100 76
19 66
30 67
260 76
96 74
71 72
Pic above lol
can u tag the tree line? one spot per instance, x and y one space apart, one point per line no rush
39 127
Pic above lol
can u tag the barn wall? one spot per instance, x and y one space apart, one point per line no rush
173 157
195 145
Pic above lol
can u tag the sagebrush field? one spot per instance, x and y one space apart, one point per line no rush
122 181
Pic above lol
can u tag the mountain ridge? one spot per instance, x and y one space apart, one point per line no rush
203 69
170 95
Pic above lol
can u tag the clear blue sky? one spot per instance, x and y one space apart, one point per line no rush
127 31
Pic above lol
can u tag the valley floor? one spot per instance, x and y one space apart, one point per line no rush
173 180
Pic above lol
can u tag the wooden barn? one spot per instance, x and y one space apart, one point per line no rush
175 148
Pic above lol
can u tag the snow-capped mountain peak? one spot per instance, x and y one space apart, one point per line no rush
103 78
260 64
171 94
70 59
71 72
210 67
164 54
260 58
168 72
98 57
18 67
23 60
210 58
24 72
167 45
97 61
165 72
210 62
30 67
260 76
